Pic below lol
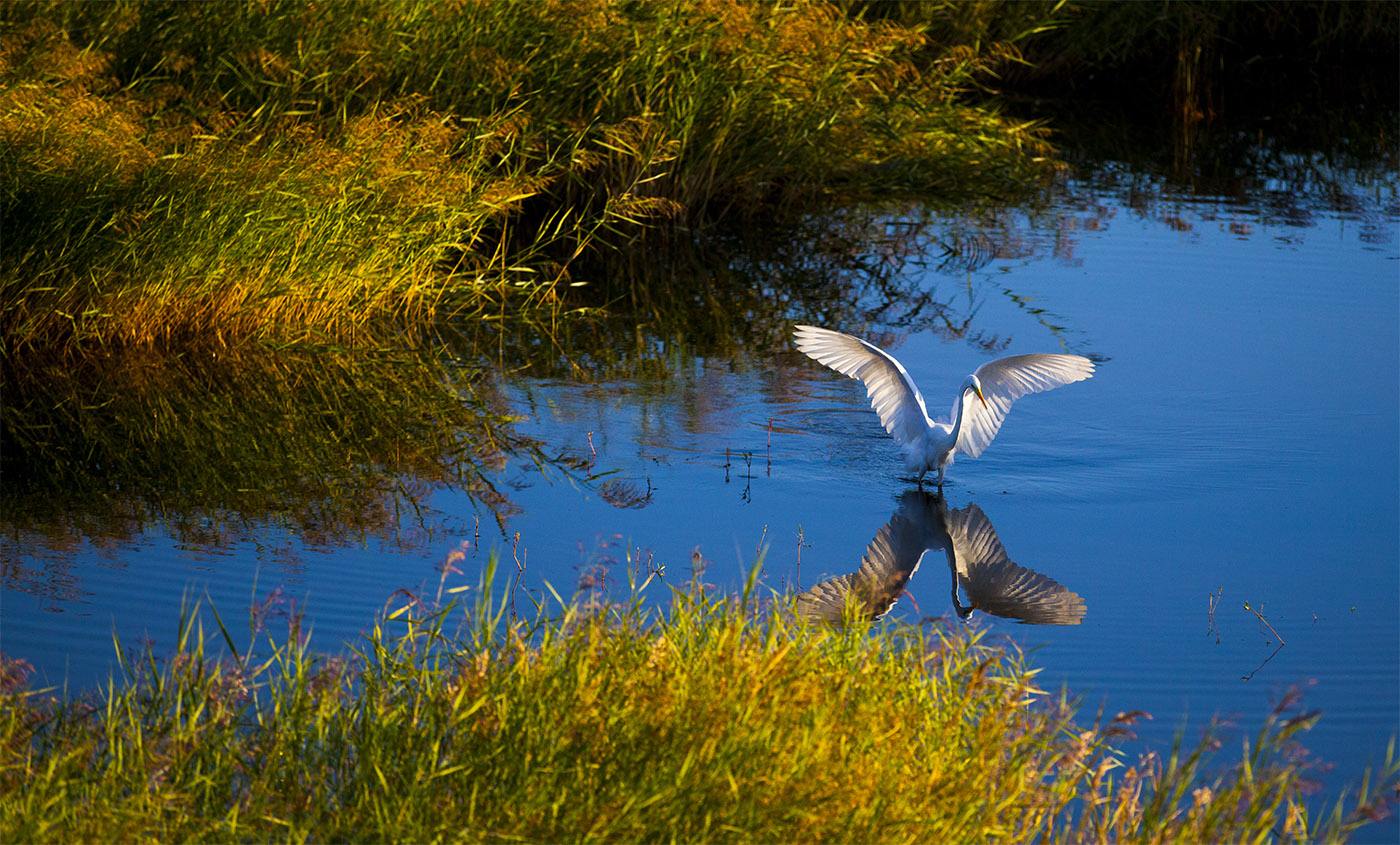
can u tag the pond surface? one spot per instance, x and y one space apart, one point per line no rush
1238 448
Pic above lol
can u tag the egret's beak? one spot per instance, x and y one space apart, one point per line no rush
978 390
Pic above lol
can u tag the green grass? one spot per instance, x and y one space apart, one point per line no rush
176 174
723 718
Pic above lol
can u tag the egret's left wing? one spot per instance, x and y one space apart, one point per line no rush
996 585
1008 379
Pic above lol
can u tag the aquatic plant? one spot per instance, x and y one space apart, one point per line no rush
723 718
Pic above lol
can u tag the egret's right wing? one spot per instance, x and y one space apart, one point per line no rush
996 585
892 393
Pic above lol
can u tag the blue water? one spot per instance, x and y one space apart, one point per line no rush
1241 437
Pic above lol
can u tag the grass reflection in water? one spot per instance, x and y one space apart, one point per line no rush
332 445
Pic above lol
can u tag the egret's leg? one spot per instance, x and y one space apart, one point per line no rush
921 477
941 470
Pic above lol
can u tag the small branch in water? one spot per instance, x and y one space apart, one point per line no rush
769 471
1281 643
1213 601
591 450
1261 618
747 495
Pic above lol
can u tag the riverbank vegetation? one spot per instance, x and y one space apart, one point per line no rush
180 174
721 719
332 445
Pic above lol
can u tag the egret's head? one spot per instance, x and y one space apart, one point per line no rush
975 385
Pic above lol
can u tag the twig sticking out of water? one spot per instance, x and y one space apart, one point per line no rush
1213 601
726 464
769 471
519 571
1261 618
800 543
591 450
1281 643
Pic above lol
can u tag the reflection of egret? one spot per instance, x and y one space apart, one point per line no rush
927 443
977 562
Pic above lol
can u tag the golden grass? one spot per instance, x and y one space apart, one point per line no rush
720 720
293 171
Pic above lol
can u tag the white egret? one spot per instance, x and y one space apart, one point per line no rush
977 562
978 411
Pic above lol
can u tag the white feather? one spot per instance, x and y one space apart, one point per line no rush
1008 379
892 393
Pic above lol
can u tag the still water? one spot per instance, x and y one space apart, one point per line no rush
1239 445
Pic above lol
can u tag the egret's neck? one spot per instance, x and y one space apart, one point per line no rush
958 417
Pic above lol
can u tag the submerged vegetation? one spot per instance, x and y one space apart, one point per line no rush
721 719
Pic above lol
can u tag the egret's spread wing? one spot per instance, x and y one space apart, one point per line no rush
1006 380
892 393
889 562
996 585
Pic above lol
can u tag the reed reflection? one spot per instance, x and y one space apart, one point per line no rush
983 576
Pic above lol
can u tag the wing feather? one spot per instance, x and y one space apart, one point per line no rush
892 393
1008 379
873 587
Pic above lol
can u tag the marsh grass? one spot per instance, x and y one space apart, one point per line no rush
292 171
721 718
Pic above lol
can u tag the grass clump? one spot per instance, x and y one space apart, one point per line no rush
178 172
712 721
